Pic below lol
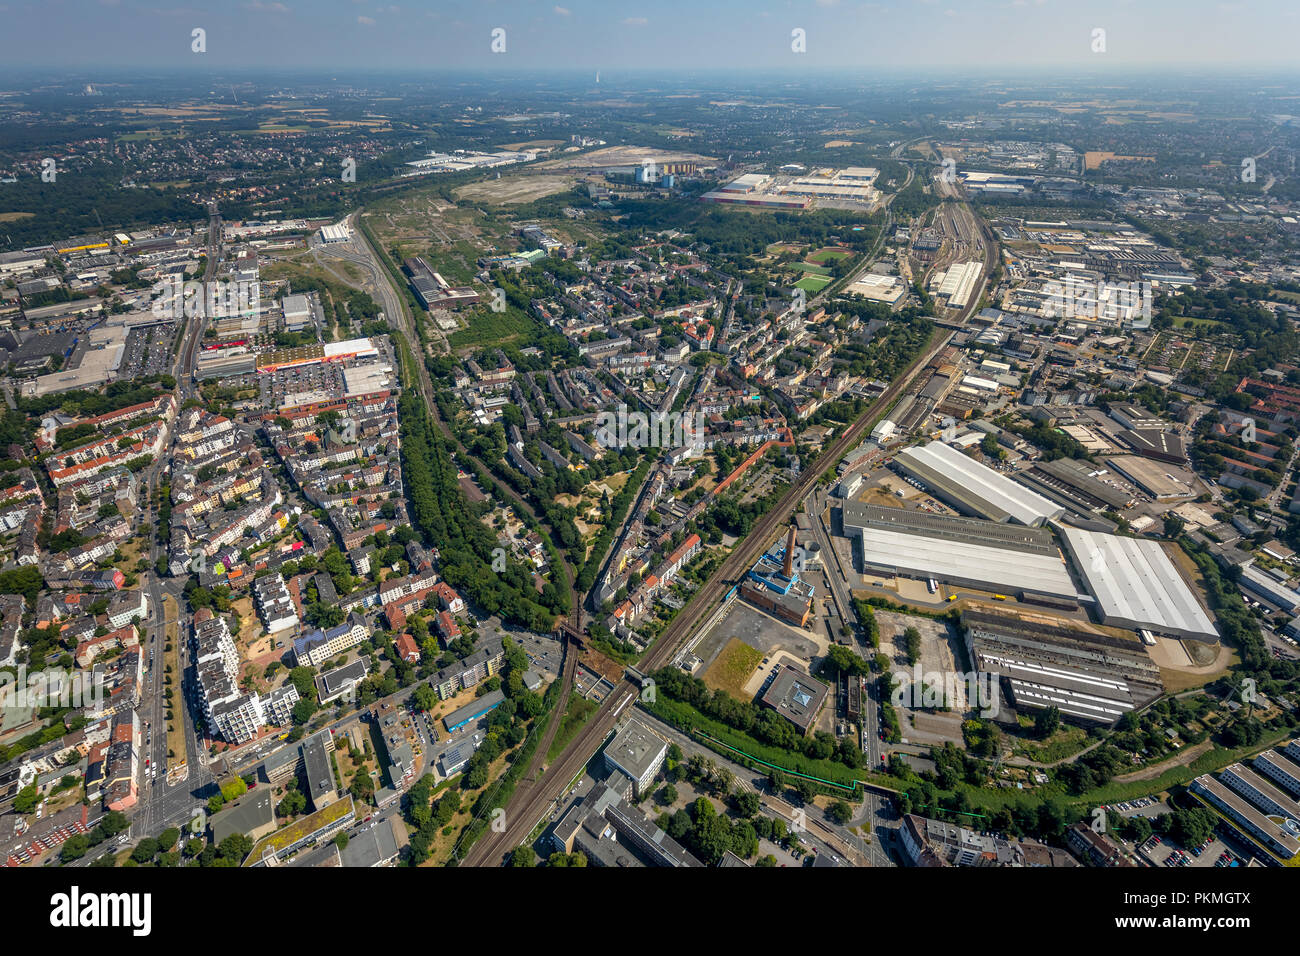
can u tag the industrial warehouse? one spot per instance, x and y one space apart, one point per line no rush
973 488
839 188
1137 585
1074 485
959 551
1046 661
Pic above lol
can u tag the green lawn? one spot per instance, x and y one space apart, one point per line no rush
492 328
813 283
825 255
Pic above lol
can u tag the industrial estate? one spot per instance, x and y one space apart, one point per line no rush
403 473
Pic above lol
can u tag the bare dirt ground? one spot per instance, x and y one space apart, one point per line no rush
623 156
514 189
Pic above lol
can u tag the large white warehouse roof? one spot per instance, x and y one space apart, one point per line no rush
984 567
1137 585
975 487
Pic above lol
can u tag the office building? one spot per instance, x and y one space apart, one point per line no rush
637 753
796 697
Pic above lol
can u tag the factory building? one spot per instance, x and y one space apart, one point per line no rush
974 488
773 584
957 283
1264 587
963 552
1047 661
1136 585
1075 485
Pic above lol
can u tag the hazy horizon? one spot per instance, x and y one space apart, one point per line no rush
323 36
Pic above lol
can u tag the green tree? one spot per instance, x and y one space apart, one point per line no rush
840 812
26 799
522 856
167 839
1046 722
145 850
293 804
74 848
233 789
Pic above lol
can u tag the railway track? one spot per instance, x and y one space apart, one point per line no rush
528 807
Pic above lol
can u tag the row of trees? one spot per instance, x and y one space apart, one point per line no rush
764 724
443 515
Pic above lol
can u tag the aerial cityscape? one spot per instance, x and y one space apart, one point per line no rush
615 457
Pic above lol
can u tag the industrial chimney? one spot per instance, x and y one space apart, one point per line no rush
789 554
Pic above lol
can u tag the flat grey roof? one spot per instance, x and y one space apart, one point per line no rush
973 565
1078 477
475 708
370 847
331 681
635 749
857 515
796 696
249 813
1246 812
320 775
1137 585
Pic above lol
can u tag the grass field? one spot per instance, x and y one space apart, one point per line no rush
492 328
811 269
813 283
826 254
1064 743
731 670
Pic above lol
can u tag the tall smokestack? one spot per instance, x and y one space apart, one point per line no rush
789 554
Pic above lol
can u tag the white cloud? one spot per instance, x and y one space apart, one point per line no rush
366 21
635 21
563 12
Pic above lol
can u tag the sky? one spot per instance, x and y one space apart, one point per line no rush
611 35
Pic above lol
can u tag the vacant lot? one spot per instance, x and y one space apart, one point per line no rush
731 669
514 189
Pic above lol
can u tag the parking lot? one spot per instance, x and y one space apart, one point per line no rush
148 350
1142 807
760 631
321 377
543 653
1213 853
